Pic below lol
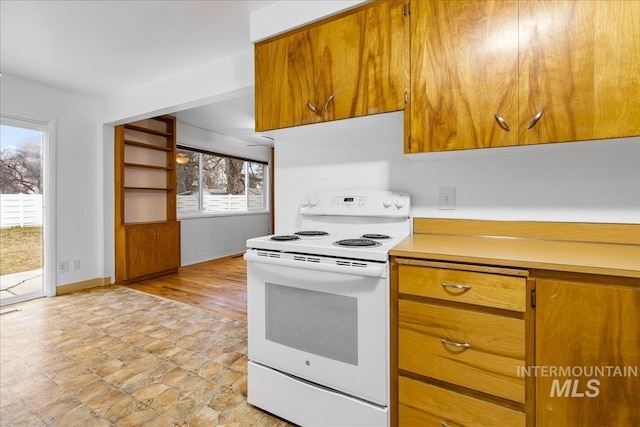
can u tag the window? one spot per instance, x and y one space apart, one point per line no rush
210 182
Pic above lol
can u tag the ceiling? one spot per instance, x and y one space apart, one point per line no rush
81 45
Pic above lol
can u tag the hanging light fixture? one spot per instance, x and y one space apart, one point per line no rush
182 159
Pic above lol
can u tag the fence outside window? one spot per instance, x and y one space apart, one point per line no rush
209 182
20 210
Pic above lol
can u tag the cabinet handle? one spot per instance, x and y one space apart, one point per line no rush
502 122
535 119
455 286
455 344
312 107
443 423
326 104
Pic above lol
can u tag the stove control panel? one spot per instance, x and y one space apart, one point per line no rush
356 203
349 201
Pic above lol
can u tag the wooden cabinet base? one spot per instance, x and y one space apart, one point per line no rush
148 276
148 250
488 361
588 353
423 404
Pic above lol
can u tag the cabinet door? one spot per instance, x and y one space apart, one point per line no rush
168 247
362 58
152 248
141 251
464 75
584 327
285 73
579 61
346 67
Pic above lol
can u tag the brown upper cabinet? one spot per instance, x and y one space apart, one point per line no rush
500 73
346 66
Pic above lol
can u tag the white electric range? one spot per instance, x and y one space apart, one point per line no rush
318 310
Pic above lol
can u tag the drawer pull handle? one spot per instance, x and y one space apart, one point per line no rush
443 423
312 107
535 119
455 286
455 344
502 122
326 104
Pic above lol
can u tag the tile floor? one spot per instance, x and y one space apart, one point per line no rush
112 356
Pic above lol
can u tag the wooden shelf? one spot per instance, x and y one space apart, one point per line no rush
145 145
147 233
147 189
147 130
143 166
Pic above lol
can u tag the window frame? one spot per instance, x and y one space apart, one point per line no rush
266 180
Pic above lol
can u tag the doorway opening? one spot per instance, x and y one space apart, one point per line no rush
23 144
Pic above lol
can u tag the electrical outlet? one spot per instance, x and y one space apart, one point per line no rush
63 266
75 264
446 197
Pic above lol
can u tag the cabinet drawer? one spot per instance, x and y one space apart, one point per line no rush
423 405
490 290
496 348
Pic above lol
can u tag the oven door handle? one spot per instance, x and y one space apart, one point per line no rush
330 265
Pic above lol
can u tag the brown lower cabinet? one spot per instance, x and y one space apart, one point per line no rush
591 330
481 345
422 404
151 249
461 342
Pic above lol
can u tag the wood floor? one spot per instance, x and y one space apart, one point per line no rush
219 286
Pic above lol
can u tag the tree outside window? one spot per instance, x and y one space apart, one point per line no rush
227 184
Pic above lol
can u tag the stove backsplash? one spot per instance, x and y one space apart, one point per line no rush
550 182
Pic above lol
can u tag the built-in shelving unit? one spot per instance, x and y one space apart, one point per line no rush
147 232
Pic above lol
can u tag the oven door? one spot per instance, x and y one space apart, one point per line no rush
320 319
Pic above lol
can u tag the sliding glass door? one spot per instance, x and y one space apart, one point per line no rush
22 213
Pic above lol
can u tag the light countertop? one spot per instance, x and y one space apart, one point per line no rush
577 257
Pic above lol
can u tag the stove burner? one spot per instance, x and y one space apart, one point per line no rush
311 233
375 236
357 243
285 238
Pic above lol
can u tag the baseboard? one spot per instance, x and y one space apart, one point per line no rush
86 284
234 255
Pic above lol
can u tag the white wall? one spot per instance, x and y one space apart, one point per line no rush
208 237
208 83
85 195
108 201
78 153
591 181
218 80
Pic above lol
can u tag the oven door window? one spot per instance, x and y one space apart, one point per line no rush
315 322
